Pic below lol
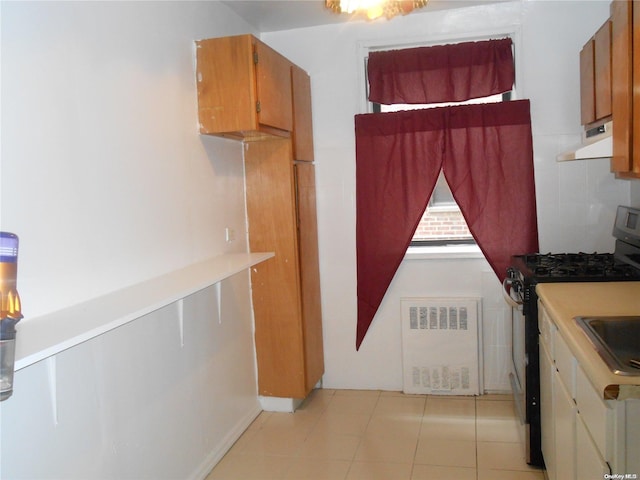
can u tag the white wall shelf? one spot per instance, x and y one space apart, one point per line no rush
41 337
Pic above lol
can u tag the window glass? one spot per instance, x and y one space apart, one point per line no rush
442 222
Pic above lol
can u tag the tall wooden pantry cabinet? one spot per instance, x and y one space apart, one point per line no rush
249 92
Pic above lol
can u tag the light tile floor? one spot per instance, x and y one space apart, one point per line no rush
372 435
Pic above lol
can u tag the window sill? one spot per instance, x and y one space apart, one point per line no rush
443 252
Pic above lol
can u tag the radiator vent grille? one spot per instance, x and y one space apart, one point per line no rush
441 352
438 318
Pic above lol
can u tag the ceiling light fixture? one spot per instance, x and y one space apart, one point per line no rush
375 8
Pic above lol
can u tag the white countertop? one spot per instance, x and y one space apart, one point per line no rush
42 337
564 301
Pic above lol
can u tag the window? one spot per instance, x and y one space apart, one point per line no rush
442 222
485 139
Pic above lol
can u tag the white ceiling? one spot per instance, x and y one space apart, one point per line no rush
274 15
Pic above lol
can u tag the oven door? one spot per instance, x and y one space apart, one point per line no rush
512 291
517 376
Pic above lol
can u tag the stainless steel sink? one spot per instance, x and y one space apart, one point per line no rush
617 341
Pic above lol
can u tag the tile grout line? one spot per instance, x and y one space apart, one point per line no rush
415 451
360 437
296 454
475 424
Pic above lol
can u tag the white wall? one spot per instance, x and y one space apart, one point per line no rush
135 402
635 194
576 202
107 183
104 176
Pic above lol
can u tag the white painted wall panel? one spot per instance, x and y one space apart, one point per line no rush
108 183
104 176
135 402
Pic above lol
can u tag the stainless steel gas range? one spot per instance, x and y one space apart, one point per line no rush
525 272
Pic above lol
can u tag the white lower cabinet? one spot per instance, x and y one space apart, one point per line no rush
557 405
565 431
590 464
577 426
596 415
547 414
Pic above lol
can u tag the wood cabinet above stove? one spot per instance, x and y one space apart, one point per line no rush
625 49
595 78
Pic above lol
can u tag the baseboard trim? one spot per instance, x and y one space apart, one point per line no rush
279 404
225 444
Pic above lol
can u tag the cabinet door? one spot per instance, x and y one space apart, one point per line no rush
621 88
244 88
226 84
273 78
636 91
302 124
590 465
587 84
602 71
309 272
565 432
271 211
547 375
595 77
596 415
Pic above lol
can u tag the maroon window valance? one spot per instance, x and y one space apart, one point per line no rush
443 73
486 154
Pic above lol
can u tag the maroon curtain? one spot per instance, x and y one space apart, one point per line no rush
486 154
396 172
489 168
443 73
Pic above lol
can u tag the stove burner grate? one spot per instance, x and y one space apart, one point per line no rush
568 266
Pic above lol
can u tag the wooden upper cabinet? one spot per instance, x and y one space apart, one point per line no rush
595 77
587 84
622 30
635 162
275 96
244 88
302 123
602 68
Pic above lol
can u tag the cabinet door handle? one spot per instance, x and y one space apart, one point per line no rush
507 296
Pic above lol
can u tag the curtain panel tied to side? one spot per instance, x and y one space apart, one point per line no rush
486 154
442 73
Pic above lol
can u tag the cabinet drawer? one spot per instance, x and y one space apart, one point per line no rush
547 331
594 412
565 363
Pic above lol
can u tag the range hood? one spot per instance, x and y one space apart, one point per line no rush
596 143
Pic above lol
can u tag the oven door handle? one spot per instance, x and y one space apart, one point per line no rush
506 288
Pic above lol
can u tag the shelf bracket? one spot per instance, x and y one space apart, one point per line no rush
52 378
219 300
180 307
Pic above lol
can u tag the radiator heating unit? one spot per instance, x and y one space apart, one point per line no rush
441 351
